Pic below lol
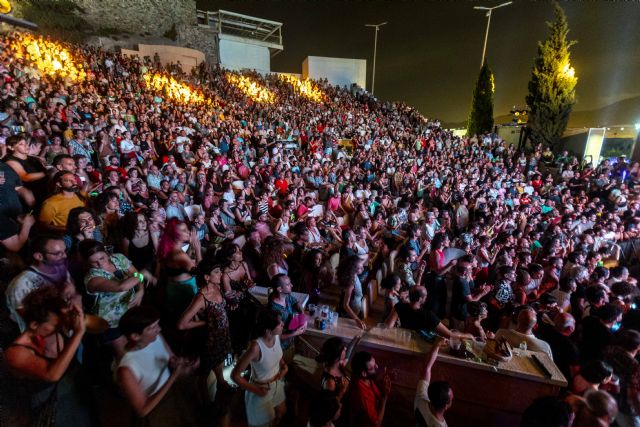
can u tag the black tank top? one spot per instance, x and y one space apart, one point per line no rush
142 258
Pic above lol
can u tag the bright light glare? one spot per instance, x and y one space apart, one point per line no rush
48 57
568 71
251 88
175 90
305 87
637 126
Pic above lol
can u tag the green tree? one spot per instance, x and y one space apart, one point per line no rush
481 116
552 88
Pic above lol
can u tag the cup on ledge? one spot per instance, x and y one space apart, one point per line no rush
454 341
311 308
334 318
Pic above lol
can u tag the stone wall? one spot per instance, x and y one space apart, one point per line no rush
124 24
202 39
140 17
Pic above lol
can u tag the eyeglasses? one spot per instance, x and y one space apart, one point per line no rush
58 253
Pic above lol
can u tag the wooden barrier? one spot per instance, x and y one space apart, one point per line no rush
484 395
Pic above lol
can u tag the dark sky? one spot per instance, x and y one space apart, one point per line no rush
429 53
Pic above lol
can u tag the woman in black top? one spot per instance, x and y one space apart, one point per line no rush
137 244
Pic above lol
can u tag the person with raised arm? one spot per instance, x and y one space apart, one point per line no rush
433 399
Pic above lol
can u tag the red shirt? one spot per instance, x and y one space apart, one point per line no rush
365 400
536 183
282 185
302 209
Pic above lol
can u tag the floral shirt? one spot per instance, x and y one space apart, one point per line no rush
111 305
503 292
406 273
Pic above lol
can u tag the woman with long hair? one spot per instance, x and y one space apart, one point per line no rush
314 276
236 282
352 292
439 268
219 229
107 207
334 357
81 225
393 286
208 310
273 256
176 265
137 243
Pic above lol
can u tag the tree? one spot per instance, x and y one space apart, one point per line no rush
552 88
481 116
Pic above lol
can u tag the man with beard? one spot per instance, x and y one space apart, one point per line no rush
367 401
55 209
48 268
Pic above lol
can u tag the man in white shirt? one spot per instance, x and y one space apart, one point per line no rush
523 332
48 268
432 399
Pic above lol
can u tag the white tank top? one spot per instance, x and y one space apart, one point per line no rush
269 364
149 365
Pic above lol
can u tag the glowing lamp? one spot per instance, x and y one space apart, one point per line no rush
5 6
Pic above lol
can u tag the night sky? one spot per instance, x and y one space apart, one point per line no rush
429 53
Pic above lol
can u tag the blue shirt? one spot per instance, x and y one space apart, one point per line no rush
286 314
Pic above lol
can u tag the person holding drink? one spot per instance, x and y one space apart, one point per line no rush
41 357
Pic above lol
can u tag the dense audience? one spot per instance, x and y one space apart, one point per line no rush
124 211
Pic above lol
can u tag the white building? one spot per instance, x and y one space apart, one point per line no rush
338 71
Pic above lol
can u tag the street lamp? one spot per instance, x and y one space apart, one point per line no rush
375 51
486 35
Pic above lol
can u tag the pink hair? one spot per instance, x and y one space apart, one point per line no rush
169 238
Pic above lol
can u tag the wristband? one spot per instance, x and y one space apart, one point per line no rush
139 276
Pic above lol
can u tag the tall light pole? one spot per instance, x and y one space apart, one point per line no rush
375 51
486 35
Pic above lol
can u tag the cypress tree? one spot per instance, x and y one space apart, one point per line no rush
481 116
552 86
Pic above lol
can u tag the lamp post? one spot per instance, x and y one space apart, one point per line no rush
375 51
486 35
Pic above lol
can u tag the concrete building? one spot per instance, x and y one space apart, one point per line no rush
338 71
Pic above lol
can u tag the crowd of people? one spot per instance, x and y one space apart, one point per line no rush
125 211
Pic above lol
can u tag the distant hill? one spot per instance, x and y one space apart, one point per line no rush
625 112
